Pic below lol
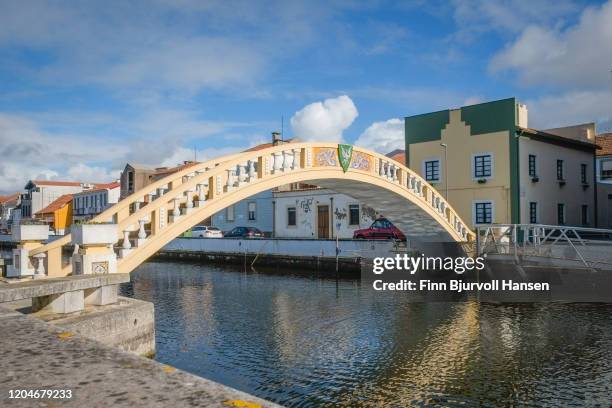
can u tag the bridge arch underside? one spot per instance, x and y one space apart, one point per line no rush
415 222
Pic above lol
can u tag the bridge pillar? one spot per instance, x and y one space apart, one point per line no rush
29 237
95 253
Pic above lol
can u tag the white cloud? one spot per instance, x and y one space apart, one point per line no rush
325 120
571 108
383 137
95 174
478 16
178 45
77 148
578 56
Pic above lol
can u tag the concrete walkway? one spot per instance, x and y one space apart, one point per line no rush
37 355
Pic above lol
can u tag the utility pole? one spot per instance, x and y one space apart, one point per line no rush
445 146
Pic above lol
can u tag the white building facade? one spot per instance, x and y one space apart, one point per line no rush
8 206
40 193
318 213
89 203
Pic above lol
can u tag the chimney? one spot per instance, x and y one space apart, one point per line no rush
276 138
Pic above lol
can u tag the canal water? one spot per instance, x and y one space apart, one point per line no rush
305 341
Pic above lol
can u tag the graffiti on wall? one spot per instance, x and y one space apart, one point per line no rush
368 214
340 214
305 204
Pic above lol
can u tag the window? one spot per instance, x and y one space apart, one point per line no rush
605 169
583 174
353 214
130 177
533 212
560 170
584 214
560 213
483 212
291 217
532 165
483 166
229 213
251 211
432 170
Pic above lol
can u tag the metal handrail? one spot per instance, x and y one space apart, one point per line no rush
519 237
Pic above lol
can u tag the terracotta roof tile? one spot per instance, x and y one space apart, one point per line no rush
171 170
398 155
56 183
6 198
605 141
56 205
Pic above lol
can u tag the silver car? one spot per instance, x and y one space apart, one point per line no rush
203 231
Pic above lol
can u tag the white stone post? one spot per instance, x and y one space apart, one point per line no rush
189 204
286 164
277 162
252 174
296 158
28 237
126 246
126 240
94 252
230 180
176 212
40 267
142 235
201 193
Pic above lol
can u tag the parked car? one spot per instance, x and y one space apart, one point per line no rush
244 232
202 231
382 228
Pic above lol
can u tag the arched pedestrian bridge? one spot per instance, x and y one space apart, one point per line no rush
150 218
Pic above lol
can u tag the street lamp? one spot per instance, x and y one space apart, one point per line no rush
445 146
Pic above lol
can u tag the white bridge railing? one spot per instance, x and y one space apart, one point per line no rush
591 247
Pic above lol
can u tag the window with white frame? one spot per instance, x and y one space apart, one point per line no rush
252 210
483 165
431 169
229 213
483 212
605 169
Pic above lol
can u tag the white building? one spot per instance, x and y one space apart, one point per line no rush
40 193
89 203
7 208
307 212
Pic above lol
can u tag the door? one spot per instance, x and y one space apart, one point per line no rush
323 221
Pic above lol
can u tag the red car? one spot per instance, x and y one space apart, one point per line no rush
382 228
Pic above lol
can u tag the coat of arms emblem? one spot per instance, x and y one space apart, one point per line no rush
345 152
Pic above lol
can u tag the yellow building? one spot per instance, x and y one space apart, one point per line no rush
58 214
495 169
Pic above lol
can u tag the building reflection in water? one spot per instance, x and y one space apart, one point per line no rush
304 341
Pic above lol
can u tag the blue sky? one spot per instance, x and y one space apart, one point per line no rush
86 87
